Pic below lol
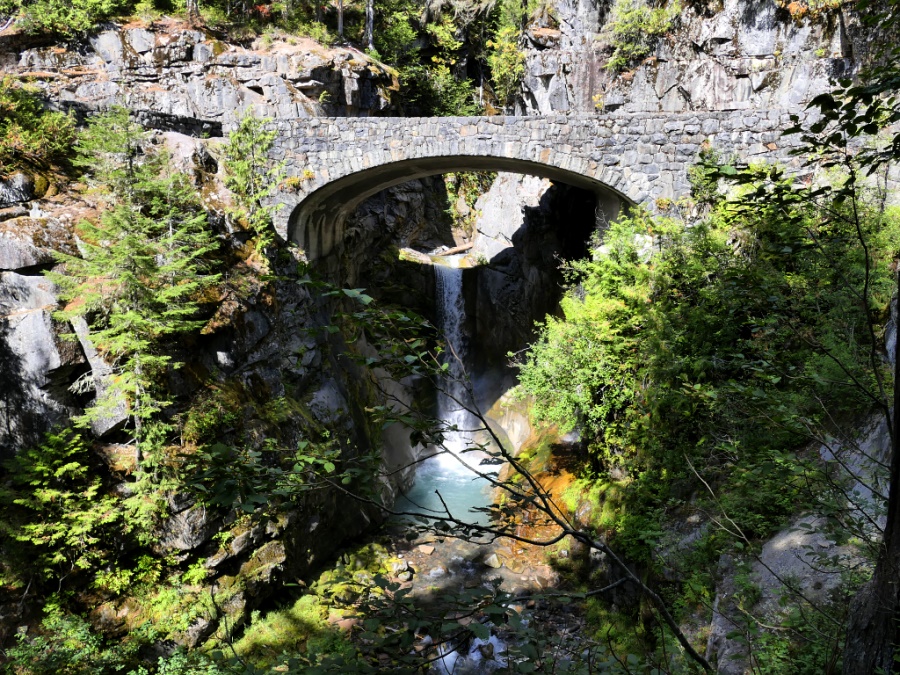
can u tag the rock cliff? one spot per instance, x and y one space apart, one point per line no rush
734 55
187 80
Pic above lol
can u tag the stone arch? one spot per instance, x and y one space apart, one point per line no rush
316 222
638 158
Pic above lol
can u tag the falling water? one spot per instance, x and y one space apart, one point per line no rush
446 472
453 401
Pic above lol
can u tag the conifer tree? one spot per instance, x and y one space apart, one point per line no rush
252 177
142 268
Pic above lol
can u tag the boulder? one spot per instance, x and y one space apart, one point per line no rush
29 242
15 189
35 363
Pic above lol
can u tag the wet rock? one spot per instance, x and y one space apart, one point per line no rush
493 561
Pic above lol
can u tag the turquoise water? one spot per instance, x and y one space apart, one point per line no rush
446 473
460 488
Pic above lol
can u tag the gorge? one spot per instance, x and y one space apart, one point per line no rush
681 362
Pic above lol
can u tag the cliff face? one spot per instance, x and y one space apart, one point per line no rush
739 55
191 81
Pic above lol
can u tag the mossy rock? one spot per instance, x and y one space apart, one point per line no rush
41 185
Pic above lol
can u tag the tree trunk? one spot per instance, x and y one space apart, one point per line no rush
874 629
369 37
193 11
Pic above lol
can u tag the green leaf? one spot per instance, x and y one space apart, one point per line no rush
479 630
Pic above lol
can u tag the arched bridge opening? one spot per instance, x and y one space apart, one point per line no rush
624 158
317 224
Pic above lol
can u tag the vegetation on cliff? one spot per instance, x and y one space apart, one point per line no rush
698 363
31 137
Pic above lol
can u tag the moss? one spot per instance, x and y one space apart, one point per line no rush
218 47
41 185
284 630
354 573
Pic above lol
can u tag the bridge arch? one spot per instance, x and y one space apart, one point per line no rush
316 224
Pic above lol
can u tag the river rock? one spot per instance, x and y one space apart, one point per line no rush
493 561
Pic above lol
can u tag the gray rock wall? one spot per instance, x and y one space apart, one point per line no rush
183 79
747 55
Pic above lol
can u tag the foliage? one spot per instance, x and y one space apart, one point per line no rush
723 343
183 663
68 646
468 186
141 272
213 412
426 51
633 27
56 507
252 177
30 135
507 63
62 17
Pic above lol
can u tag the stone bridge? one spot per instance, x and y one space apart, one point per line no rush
624 158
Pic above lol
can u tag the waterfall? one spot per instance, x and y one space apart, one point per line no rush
453 401
461 491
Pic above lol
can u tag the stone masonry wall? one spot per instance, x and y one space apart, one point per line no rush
642 157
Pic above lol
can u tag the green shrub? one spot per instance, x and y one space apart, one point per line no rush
30 135
67 645
63 17
633 27
57 510
507 63
211 414
721 345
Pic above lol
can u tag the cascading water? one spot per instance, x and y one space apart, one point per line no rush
453 404
447 481
447 471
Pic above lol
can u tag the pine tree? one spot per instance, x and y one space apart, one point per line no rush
252 177
142 269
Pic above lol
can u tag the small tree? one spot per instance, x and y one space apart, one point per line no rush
142 267
252 177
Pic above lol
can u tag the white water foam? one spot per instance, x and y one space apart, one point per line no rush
453 400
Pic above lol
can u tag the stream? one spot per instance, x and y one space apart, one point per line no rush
450 562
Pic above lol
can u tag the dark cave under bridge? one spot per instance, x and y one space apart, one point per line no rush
624 158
